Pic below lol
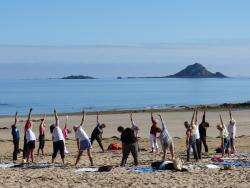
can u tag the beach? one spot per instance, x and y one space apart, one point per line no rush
125 177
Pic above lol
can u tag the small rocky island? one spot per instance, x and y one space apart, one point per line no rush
72 77
196 71
191 71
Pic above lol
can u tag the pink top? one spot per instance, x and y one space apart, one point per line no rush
42 130
65 133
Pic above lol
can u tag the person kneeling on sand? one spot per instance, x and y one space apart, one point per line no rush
166 141
224 137
58 139
83 142
129 144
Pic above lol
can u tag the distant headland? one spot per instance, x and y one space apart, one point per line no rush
191 71
77 77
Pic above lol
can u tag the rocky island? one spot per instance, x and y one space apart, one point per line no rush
78 77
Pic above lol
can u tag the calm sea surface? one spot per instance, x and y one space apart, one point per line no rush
107 94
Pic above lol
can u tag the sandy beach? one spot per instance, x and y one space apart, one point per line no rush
124 177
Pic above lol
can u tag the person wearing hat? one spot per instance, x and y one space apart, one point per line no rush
82 140
224 137
232 133
153 135
203 132
166 140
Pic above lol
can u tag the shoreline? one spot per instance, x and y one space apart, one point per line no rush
181 108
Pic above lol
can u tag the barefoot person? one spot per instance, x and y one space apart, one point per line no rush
31 142
83 142
41 136
16 138
153 133
26 126
166 141
224 137
203 132
129 144
191 138
65 132
58 139
197 134
134 127
232 132
97 132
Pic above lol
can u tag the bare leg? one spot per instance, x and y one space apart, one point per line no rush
78 157
172 151
90 157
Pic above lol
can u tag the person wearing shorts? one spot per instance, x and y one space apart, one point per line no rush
31 140
41 136
153 132
58 140
83 142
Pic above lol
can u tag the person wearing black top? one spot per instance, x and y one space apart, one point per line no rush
16 138
129 144
203 132
97 133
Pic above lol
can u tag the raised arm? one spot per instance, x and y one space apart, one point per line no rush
66 122
162 122
16 119
29 115
131 119
196 116
192 120
230 113
152 118
97 118
204 116
83 118
221 121
56 118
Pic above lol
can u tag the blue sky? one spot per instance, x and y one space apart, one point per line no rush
114 37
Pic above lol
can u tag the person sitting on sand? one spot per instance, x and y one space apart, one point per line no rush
203 132
16 138
41 137
224 137
129 144
191 139
31 143
65 132
58 139
232 133
166 141
153 133
26 126
97 132
83 142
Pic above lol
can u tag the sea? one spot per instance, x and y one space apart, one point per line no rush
43 95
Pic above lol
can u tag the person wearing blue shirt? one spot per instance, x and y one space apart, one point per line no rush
16 138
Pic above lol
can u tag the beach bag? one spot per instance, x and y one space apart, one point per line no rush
105 169
115 146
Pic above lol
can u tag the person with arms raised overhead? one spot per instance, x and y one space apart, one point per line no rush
58 139
153 133
197 134
97 132
65 134
16 137
26 126
83 142
166 141
31 143
232 132
224 137
203 132
41 138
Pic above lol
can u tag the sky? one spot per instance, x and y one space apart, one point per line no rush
41 39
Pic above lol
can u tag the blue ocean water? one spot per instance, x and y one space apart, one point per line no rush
109 94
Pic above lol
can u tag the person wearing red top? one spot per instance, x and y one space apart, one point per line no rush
41 136
153 132
26 127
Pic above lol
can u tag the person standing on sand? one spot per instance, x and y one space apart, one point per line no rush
166 141
153 133
16 138
203 132
191 138
58 139
26 126
129 144
134 127
31 143
224 137
65 132
232 133
83 142
41 137
97 132
197 134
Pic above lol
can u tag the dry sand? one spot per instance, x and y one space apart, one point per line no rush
122 177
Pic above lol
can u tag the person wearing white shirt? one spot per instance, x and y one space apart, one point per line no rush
197 134
31 140
83 142
166 141
58 139
232 133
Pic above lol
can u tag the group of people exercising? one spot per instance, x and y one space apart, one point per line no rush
196 136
